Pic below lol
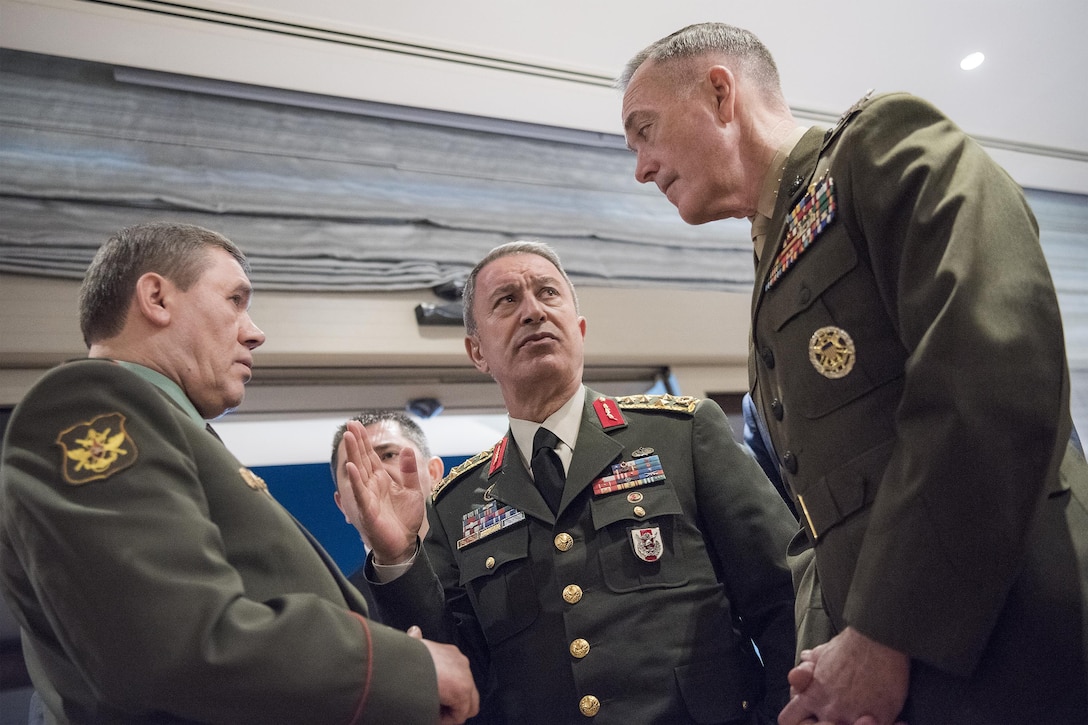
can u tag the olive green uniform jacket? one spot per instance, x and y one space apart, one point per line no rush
571 621
908 358
156 580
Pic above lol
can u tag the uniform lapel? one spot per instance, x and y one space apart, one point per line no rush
795 180
510 483
593 452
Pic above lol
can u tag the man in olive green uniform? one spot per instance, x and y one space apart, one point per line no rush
631 592
907 358
153 577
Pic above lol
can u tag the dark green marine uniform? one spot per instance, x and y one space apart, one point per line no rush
908 358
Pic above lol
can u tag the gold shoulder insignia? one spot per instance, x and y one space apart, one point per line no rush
459 469
673 403
253 480
96 449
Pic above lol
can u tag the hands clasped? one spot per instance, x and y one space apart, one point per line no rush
851 679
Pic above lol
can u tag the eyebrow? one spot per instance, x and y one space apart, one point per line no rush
630 122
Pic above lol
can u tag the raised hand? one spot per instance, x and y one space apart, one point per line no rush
390 513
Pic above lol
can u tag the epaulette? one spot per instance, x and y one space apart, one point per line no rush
460 468
846 116
672 403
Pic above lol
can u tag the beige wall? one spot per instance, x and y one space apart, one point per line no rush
324 350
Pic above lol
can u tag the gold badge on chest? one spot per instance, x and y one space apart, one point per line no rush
831 351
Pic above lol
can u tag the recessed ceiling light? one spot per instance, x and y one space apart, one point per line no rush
972 61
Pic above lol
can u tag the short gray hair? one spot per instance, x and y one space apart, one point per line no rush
505 250
702 38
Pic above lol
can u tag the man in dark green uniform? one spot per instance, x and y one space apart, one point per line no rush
907 359
618 571
153 577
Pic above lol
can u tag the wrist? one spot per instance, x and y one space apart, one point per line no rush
396 558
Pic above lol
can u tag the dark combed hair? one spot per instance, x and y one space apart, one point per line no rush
176 251
367 418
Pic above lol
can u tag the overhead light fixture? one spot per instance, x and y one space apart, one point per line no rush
972 61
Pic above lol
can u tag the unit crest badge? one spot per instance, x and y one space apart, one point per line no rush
96 449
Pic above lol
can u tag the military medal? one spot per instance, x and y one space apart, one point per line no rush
806 222
831 351
646 541
485 520
629 474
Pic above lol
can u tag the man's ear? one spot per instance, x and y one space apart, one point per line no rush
723 84
336 498
472 347
436 468
149 300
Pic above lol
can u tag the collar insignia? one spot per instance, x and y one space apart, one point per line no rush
253 480
608 413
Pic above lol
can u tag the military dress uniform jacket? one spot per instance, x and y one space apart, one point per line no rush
907 356
572 620
156 580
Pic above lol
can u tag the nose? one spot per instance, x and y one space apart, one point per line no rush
533 310
252 336
645 168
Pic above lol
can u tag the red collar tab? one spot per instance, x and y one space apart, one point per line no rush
497 455
608 412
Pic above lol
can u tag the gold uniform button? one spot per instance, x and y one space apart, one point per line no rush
589 705
639 511
572 594
564 541
490 562
579 648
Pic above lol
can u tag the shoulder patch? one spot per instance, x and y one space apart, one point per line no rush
96 449
460 469
671 403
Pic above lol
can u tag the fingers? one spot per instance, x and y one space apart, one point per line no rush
359 449
408 463
801 676
415 632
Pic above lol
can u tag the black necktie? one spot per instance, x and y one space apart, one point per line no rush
547 468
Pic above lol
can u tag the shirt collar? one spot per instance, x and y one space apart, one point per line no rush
565 423
166 385
771 183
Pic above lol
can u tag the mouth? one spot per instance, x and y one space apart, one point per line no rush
536 338
666 186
